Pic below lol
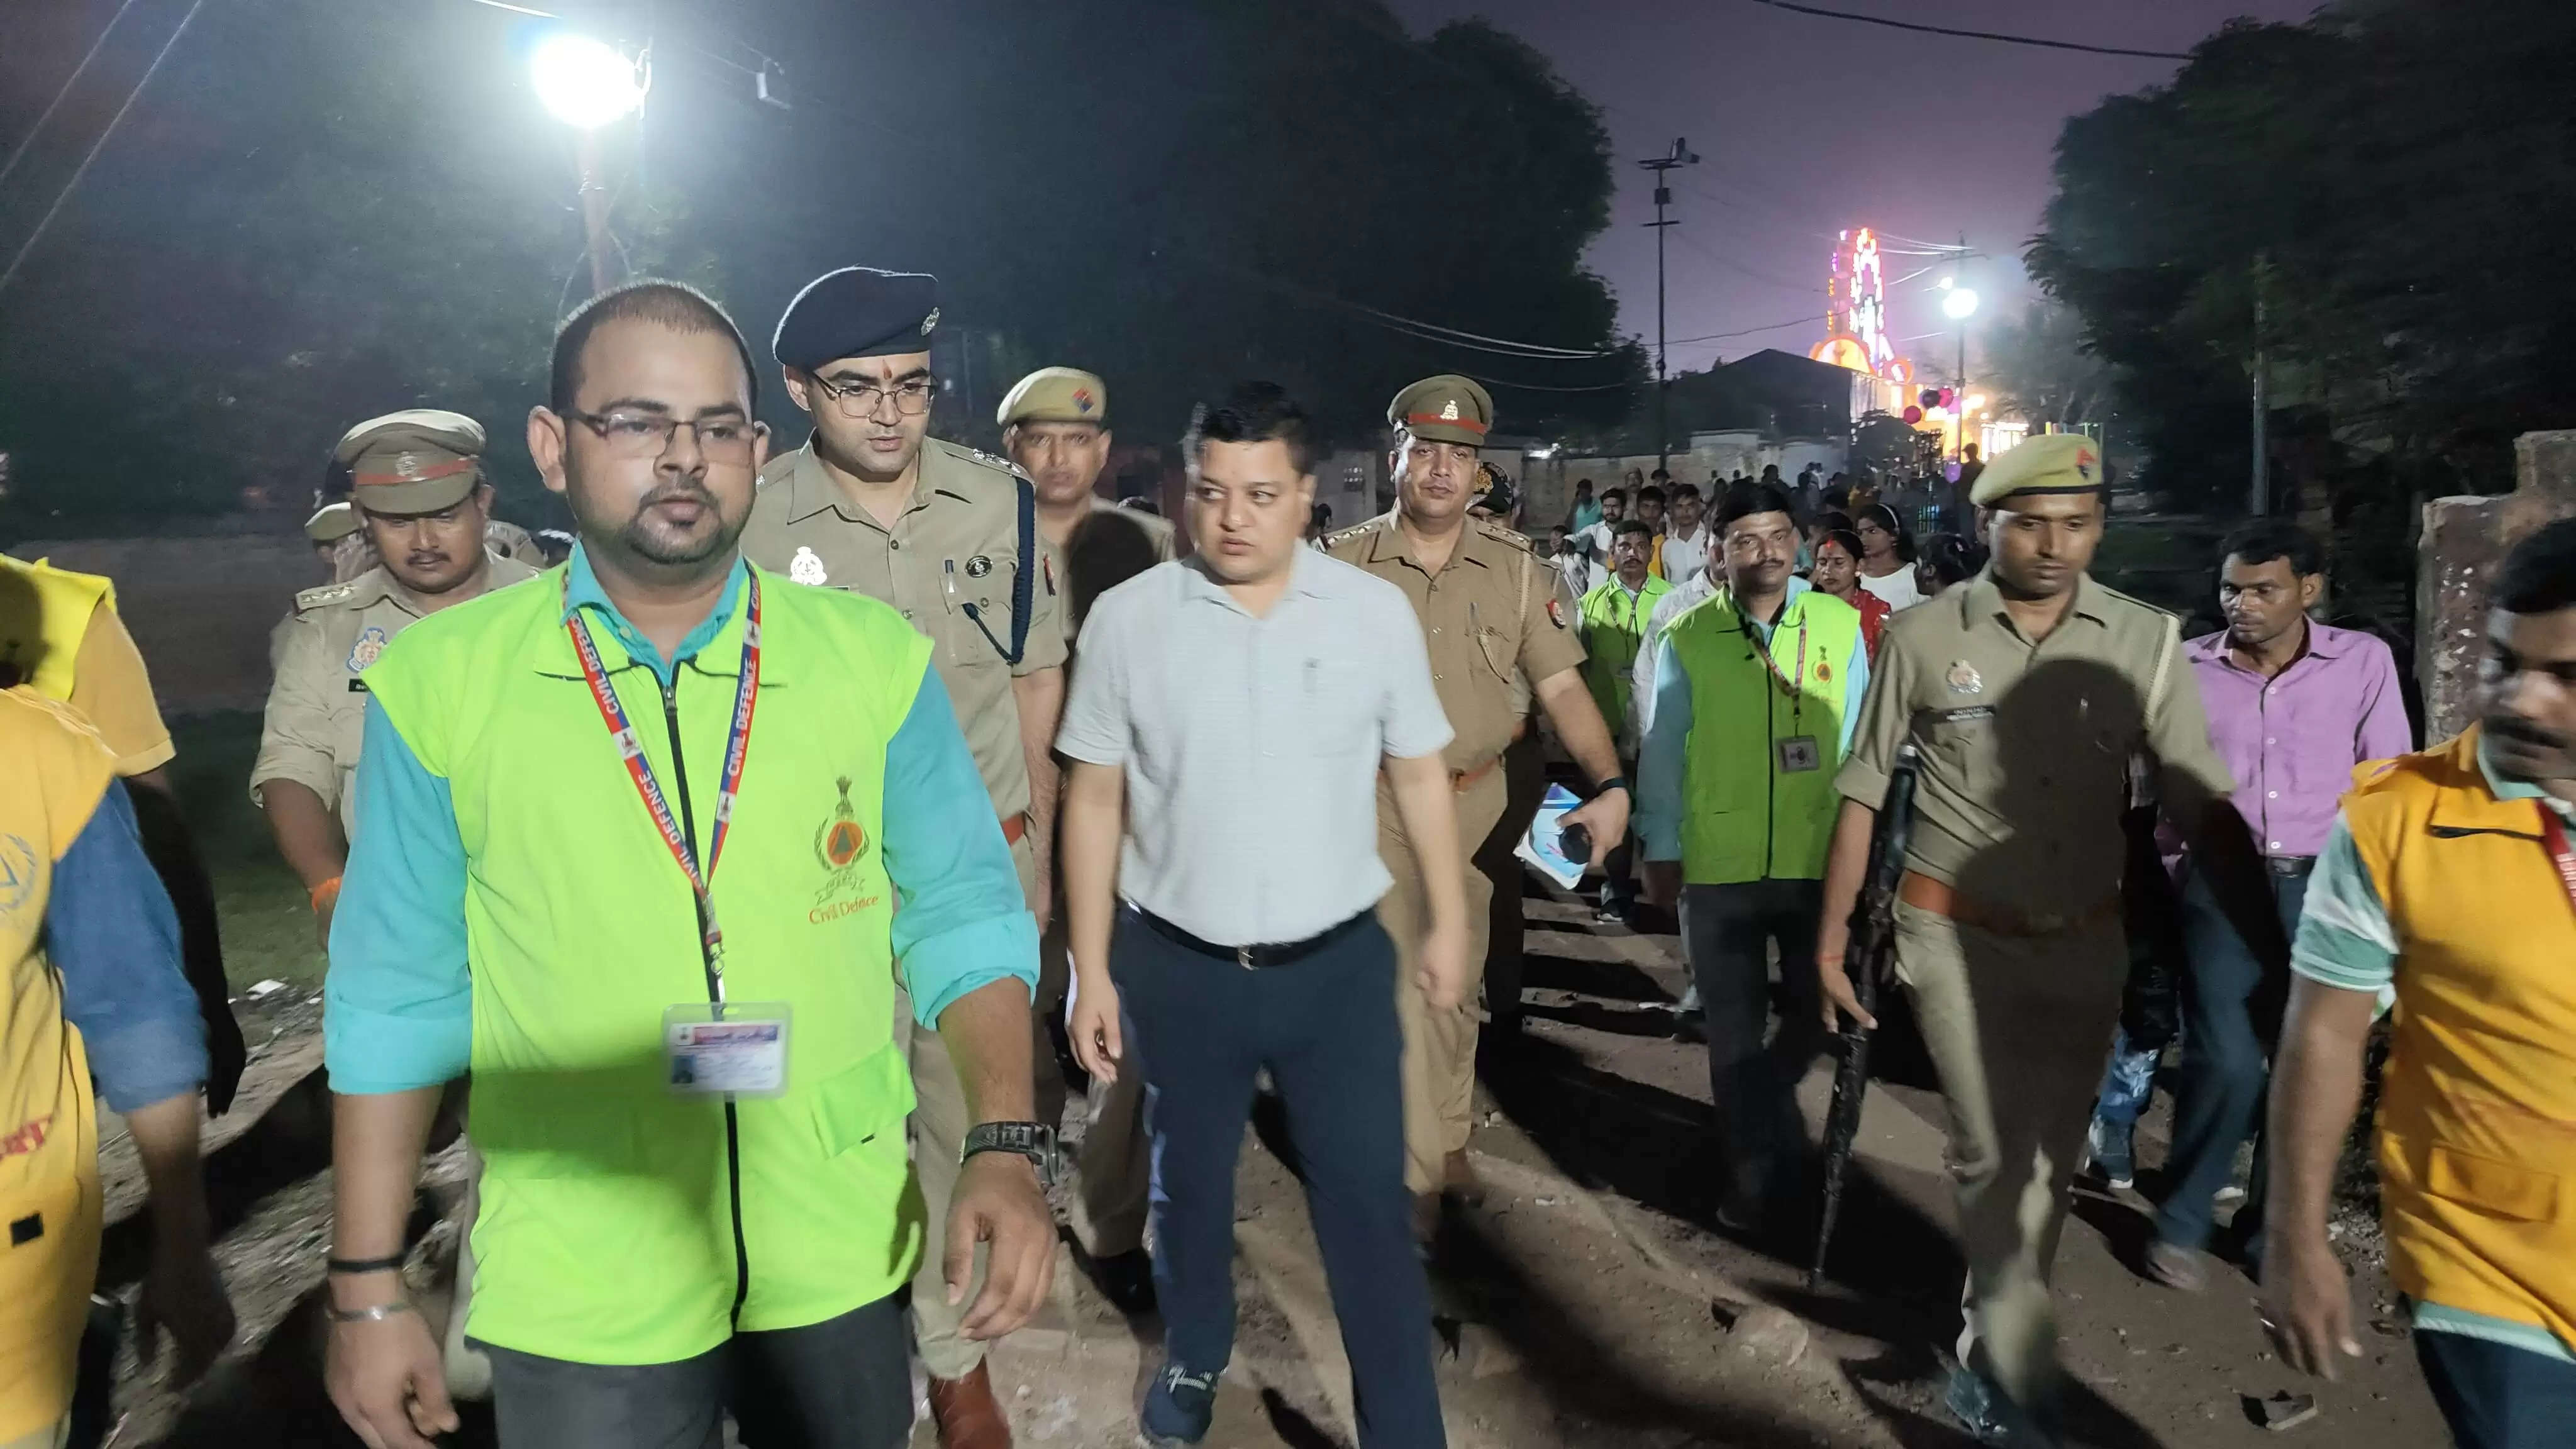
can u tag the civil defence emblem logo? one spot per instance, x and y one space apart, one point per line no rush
841 840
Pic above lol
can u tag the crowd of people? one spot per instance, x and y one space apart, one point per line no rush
595 849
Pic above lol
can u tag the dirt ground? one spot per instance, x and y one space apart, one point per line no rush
1587 1301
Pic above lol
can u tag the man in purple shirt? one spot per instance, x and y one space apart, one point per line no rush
2293 705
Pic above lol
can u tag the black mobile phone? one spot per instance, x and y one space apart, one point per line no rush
1576 842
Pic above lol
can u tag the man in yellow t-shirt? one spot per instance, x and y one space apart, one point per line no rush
60 634
89 986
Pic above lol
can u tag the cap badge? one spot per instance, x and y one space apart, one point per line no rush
1964 679
1082 402
805 568
930 321
979 565
369 648
1449 411
2084 461
408 466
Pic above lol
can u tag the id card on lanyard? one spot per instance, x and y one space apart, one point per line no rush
713 1047
1797 753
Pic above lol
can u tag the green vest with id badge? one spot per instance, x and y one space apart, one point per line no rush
1758 797
685 1088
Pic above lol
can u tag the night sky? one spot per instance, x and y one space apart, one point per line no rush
1806 125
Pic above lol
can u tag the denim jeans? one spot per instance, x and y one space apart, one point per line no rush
2497 1396
2231 1017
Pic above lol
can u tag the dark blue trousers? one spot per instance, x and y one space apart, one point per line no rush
1324 1025
2231 1016
2497 1396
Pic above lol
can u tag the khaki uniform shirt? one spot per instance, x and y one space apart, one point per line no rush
1495 619
317 703
957 544
2026 747
1157 530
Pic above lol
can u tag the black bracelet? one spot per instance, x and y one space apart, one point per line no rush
1615 782
351 1266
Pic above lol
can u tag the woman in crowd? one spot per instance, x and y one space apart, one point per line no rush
1947 559
1887 557
1837 572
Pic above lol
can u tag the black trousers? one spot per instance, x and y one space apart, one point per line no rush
1324 1025
1727 932
844 1383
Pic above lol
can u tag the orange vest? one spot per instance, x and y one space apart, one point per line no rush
2477 1109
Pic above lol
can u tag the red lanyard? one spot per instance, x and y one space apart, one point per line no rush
658 805
2554 835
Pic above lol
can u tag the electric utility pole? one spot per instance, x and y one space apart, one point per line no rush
1680 155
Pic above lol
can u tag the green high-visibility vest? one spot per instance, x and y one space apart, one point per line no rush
609 1232
1743 817
1614 628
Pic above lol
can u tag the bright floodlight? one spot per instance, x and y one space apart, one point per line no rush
585 83
1959 304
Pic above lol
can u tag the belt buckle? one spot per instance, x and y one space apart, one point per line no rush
1243 957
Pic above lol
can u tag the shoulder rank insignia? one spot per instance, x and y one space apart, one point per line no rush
320 595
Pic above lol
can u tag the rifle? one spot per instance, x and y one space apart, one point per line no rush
1870 958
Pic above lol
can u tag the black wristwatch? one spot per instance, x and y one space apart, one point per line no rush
1032 1140
1615 782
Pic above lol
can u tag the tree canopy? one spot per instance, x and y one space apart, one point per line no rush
2384 181
325 209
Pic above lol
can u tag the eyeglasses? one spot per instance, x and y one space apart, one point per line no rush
860 400
633 436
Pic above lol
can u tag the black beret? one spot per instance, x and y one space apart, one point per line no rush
857 312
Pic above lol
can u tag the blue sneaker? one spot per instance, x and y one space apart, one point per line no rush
1988 1416
1178 1408
2113 1158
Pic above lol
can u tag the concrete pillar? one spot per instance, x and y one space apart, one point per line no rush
2464 543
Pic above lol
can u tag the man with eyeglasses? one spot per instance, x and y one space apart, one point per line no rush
661 928
948 536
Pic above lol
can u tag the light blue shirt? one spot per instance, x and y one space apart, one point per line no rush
1663 761
399 1002
1251 744
111 933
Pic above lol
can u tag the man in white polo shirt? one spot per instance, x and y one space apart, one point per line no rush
1229 720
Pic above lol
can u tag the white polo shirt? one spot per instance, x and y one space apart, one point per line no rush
1251 746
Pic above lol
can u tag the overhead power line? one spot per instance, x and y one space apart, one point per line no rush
1993 35
28 143
101 144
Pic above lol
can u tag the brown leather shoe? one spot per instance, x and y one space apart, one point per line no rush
966 1415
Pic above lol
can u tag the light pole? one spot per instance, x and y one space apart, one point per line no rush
1680 155
1959 305
586 84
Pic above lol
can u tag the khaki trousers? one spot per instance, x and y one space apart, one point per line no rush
938 1134
1439 1046
1114 1173
2017 1028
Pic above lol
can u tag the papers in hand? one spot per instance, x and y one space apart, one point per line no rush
1543 848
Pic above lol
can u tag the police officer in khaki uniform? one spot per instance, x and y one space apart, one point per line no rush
1490 610
329 524
2027 689
420 495
354 552
1055 427
948 536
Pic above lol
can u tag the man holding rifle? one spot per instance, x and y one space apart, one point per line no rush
2026 689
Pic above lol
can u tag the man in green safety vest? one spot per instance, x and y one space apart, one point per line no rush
636 834
1614 617
1757 689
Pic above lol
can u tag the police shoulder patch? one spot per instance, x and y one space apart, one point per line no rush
1500 534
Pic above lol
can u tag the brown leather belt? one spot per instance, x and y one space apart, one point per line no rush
1463 781
1013 827
1926 894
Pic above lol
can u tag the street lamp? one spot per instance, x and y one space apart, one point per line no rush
586 84
1959 304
